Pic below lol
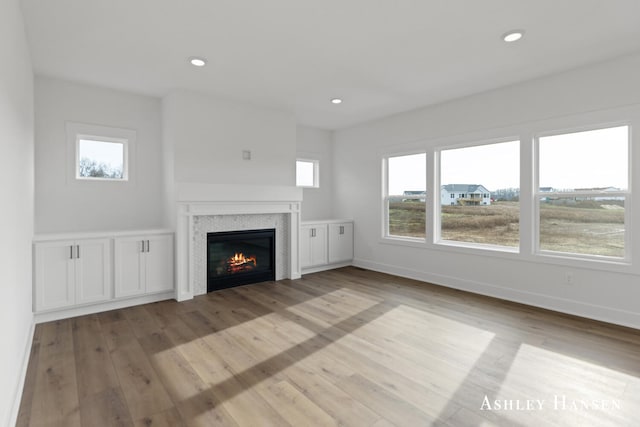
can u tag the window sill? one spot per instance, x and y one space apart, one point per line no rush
414 242
514 254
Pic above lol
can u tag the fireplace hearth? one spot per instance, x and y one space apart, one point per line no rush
237 258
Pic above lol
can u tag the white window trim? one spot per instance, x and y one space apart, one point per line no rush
76 131
385 198
526 132
438 240
316 172
627 194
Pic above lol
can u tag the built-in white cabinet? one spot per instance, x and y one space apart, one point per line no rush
143 264
325 245
313 245
71 272
91 272
340 242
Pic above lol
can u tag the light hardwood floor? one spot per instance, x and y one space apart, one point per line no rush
345 347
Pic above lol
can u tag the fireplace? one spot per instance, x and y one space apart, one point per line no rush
240 257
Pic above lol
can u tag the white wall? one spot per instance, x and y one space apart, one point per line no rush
207 136
317 144
64 204
560 101
16 215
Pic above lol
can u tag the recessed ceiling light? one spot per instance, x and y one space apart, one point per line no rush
336 101
512 36
197 61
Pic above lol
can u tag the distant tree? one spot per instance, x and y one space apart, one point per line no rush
91 168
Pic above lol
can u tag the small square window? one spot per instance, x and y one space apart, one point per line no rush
307 173
101 158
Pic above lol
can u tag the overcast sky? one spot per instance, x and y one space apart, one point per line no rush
494 166
497 166
102 152
595 158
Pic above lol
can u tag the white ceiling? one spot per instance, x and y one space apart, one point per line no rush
381 56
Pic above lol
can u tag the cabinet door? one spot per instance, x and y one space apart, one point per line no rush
319 245
313 245
159 263
93 270
129 266
340 242
305 246
54 275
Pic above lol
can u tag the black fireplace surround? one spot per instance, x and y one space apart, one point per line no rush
237 258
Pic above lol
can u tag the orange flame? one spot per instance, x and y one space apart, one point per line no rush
239 260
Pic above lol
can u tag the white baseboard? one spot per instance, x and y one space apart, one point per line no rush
100 307
325 267
26 354
563 305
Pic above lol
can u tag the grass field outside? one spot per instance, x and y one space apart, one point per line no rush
581 227
407 219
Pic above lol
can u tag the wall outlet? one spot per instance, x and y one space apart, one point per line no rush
568 278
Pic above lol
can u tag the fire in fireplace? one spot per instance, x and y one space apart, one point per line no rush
238 263
240 257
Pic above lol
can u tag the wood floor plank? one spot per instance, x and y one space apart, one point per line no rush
141 321
391 407
295 407
191 395
106 408
94 369
117 334
346 347
55 395
144 393
169 418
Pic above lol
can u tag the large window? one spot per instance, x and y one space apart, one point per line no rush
583 182
480 194
405 198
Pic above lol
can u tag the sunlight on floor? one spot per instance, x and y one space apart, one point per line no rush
574 390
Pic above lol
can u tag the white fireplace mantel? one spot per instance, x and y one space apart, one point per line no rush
212 199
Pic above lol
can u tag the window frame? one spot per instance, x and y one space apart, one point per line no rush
385 236
524 131
471 142
76 131
537 195
316 172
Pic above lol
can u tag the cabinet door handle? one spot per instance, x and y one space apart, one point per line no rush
342 229
313 232
142 241
78 251
148 246
70 251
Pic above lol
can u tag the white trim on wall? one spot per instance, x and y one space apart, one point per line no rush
563 305
26 357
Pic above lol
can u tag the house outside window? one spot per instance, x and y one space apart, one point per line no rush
470 173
